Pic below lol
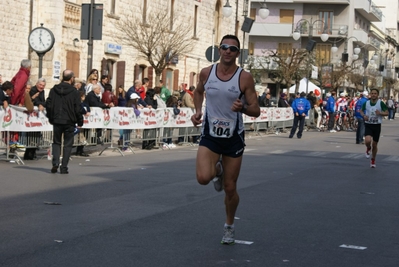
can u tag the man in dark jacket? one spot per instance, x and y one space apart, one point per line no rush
93 99
37 94
63 112
38 100
282 102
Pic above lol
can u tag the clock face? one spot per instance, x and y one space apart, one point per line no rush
41 39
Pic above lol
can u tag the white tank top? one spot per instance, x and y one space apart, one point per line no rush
219 120
370 112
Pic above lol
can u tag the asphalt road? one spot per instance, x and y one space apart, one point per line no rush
308 202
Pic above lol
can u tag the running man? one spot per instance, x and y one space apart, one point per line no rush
372 111
230 92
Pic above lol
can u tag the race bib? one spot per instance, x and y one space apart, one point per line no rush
373 118
221 128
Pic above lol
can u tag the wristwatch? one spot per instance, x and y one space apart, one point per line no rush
243 109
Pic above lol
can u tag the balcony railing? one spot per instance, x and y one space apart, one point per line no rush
376 11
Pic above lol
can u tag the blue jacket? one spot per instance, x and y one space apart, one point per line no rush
359 105
301 105
330 104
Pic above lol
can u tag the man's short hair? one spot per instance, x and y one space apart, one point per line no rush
375 89
25 63
95 86
104 76
145 80
7 85
41 80
230 36
67 75
192 88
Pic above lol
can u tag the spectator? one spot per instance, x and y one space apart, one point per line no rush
282 102
165 92
266 101
188 98
63 111
137 84
37 94
85 111
150 98
19 81
300 107
120 95
103 82
5 94
108 96
93 99
330 108
157 96
92 80
360 120
141 91
391 106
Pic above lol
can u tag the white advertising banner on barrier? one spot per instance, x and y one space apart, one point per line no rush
17 119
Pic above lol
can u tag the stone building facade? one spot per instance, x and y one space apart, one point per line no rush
63 18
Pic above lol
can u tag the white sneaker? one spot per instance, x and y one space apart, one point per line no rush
171 145
165 146
333 131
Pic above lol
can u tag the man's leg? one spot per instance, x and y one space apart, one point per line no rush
301 124
294 126
206 165
374 150
68 142
330 121
232 167
56 146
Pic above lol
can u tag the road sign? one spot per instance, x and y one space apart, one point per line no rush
208 53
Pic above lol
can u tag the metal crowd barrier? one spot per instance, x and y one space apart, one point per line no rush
120 140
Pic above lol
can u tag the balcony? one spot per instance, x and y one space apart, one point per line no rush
271 29
361 36
368 10
331 2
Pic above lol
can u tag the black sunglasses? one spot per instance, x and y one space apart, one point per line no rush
233 48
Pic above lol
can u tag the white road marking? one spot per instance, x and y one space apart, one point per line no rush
391 158
352 247
243 242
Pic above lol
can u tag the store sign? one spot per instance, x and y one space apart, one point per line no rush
113 48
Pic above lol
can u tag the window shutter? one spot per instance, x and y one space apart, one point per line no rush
176 79
120 73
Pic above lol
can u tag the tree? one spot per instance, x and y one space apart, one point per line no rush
158 39
282 69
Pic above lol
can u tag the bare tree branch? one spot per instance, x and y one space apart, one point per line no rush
154 40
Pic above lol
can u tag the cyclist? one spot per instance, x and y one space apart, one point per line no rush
342 107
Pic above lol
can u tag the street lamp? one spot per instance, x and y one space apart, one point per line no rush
356 51
297 34
264 11
227 10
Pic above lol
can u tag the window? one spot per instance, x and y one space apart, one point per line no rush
284 49
112 7
73 62
195 21
251 49
323 54
328 18
144 11
286 16
252 13
172 9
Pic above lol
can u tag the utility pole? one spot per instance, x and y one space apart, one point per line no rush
90 43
